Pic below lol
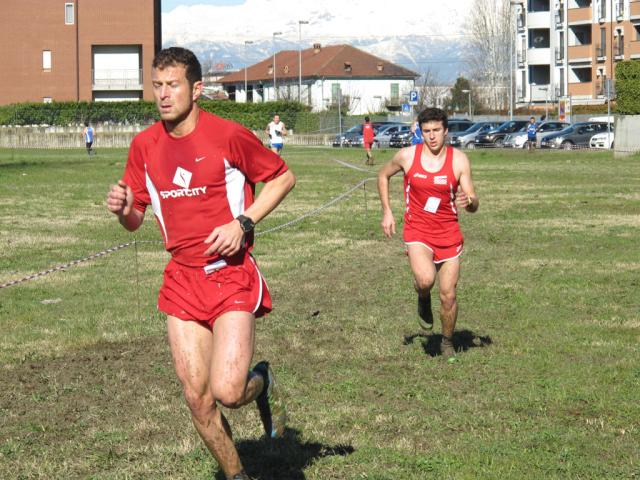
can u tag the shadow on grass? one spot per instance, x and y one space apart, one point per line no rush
462 341
285 458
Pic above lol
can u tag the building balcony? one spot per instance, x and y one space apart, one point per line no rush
538 19
600 88
559 51
601 52
541 93
579 15
117 79
583 89
579 53
634 9
618 51
539 56
559 18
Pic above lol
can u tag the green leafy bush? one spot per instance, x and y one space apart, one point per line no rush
628 87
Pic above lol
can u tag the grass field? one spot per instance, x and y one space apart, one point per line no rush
548 376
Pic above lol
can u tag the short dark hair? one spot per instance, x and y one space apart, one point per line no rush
172 56
431 114
366 119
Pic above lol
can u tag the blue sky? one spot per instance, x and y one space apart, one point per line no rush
168 5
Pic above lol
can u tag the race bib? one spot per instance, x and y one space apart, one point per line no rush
432 204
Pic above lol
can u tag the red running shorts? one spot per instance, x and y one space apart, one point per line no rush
190 293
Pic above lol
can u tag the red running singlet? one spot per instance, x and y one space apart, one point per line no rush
430 202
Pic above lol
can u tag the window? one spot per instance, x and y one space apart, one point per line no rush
46 60
335 92
395 91
69 14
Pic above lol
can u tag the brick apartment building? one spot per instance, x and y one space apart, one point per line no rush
78 50
570 47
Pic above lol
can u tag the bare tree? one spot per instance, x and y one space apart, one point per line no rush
490 30
431 91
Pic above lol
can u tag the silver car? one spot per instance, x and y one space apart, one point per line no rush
465 138
519 139
381 140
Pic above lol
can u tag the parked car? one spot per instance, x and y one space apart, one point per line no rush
345 139
576 135
403 139
495 137
385 132
353 136
465 138
602 140
519 138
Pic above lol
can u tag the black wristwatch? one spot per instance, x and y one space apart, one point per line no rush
245 223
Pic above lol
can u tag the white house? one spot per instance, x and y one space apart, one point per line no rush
338 74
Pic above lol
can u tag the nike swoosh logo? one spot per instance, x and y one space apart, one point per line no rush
200 158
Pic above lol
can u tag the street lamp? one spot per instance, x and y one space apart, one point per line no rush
246 91
469 92
512 65
300 23
275 89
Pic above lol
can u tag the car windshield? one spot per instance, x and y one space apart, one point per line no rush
474 128
355 129
566 130
507 127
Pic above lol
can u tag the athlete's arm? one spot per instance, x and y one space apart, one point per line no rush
389 169
227 240
466 196
120 203
284 129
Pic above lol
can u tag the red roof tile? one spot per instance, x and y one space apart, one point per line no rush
334 61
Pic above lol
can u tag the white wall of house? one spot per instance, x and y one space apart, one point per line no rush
365 95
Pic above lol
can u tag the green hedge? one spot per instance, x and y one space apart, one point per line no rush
628 87
252 115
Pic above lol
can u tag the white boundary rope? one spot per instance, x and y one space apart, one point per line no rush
67 265
134 242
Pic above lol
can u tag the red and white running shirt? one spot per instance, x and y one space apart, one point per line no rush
198 182
430 199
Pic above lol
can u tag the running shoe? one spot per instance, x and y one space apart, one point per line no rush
425 316
447 349
241 476
270 405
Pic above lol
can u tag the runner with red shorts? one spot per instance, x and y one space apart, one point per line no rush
198 173
367 139
437 182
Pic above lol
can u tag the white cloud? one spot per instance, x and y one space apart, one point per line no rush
330 20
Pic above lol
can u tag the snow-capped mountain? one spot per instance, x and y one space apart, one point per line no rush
443 59
420 36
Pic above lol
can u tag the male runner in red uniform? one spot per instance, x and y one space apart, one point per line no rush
198 172
367 139
436 178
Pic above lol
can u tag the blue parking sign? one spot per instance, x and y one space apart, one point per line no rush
413 97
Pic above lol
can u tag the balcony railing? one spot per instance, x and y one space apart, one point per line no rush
559 16
618 50
521 21
601 51
619 9
117 79
559 54
522 57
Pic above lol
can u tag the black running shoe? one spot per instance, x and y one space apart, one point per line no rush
241 476
271 407
425 317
